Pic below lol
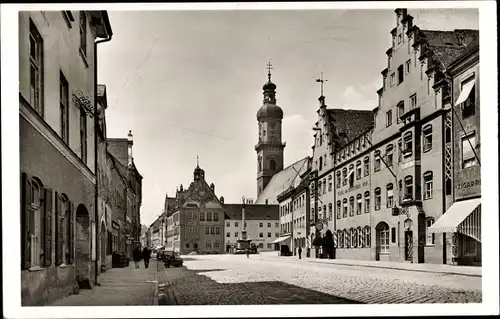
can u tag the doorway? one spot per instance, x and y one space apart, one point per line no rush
409 245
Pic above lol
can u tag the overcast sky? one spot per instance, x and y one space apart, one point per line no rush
189 83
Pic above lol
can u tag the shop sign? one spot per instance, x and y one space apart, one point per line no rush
355 187
468 184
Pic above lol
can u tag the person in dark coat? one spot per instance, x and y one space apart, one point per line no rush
300 252
137 256
146 254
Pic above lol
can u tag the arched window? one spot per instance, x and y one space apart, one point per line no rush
429 236
261 245
368 236
330 211
383 233
347 239
344 202
367 202
377 198
354 238
351 206
65 223
361 239
358 169
344 176
367 165
330 183
339 209
359 204
408 144
376 165
272 165
390 195
351 175
339 179
340 238
428 185
324 185
32 255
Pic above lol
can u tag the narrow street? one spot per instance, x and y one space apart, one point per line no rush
234 279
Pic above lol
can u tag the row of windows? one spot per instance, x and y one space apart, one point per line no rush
261 225
401 110
293 205
37 84
39 207
212 230
261 235
354 237
208 216
297 223
356 205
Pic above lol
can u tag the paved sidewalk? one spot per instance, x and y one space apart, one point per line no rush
119 287
433 268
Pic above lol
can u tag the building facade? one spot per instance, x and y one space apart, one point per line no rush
196 221
394 180
262 225
461 223
121 150
56 108
270 148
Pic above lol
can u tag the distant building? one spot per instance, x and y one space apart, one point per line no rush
262 225
196 222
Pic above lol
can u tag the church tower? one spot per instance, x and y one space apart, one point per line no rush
269 148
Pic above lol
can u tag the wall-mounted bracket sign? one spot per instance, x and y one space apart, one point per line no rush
83 102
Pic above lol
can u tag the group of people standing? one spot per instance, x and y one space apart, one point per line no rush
144 254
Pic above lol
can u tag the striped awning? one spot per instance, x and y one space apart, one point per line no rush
279 240
456 218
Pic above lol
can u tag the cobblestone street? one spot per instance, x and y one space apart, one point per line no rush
234 279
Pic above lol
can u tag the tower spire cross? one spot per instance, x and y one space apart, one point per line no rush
269 68
321 80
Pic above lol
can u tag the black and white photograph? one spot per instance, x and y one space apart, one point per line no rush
263 159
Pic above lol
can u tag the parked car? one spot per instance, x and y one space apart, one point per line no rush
172 259
162 254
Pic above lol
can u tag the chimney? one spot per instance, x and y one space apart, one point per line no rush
182 188
130 142
212 187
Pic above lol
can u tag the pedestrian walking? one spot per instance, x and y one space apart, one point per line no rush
137 256
300 252
146 254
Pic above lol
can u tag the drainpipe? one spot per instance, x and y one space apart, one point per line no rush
96 124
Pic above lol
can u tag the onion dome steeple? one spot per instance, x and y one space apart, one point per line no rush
269 109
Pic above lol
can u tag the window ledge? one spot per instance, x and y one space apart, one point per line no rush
407 154
425 150
84 57
429 245
35 268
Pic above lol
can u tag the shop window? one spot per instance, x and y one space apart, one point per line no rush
354 237
430 238
368 236
428 185
376 165
468 156
367 165
228 234
359 233
377 198
347 239
367 202
427 138
359 204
